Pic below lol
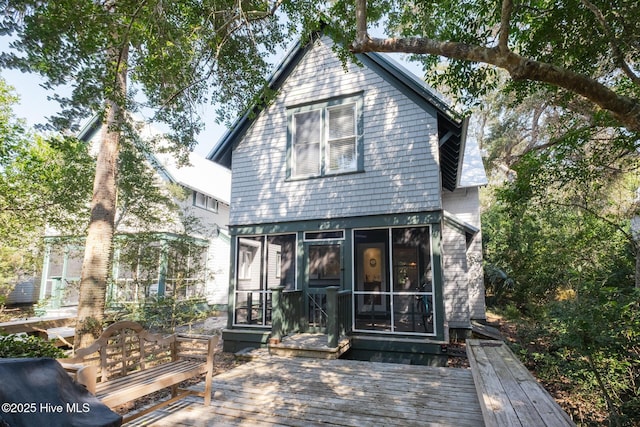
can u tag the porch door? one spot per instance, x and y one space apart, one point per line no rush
371 276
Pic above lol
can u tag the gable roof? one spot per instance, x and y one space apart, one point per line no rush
201 174
452 126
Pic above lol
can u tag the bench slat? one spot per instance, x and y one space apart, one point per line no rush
122 392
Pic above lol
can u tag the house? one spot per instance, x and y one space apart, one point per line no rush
351 179
185 253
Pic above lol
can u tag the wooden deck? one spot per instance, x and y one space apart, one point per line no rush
309 345
277 391
509 395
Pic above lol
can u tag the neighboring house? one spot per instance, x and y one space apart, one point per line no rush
186 253
352 179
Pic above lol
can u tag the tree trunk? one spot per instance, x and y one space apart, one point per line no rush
99 243
637 275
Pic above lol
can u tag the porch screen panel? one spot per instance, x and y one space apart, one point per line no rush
412 280
372 302
324 265
250 295
186 269
281 266
306 143
71 292
393 290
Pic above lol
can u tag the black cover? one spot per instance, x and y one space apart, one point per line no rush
39 392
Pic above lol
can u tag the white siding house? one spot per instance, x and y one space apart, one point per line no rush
198 220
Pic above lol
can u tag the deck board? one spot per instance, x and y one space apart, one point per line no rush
310 392
509 395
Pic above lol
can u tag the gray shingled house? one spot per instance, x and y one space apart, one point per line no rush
350 182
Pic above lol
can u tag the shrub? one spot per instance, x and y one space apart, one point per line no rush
27 346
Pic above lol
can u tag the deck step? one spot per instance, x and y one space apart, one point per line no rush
484 331
309 345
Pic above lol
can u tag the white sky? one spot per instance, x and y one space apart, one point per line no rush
34 106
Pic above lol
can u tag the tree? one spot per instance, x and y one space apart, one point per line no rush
558 248
179 54
581 47
41 179
579 56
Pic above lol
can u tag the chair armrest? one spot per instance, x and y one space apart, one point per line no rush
82 374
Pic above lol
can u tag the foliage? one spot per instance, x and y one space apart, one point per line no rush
144 203
27 346
559 254
571 51
42 179
163 313
179 54
181 262
587 349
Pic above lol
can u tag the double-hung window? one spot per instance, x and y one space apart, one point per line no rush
205 202
324 138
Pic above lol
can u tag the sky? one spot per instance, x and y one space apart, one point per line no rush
34 106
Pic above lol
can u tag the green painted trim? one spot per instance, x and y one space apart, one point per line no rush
121 236
438 278
389 220
240 339
231 295
433 219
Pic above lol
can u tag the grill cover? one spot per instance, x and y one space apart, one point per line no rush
39 392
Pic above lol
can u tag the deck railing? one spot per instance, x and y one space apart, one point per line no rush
344 312
338 315
328 312
317 306
288 312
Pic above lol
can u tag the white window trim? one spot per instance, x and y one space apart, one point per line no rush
210 203
325 107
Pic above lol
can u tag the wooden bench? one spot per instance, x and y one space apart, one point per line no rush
127 362
509 395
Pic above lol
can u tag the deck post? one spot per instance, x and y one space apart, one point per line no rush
277 315
333 324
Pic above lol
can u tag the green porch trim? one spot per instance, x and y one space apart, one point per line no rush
432 219
388 220
235 340
160 235
71 242
438 278
394 349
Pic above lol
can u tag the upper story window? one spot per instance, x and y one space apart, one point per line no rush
206 202
325 138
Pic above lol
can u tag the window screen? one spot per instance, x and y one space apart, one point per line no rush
307 136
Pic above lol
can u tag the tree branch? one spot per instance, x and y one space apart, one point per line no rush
505 25
612 41
625 109
361 23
